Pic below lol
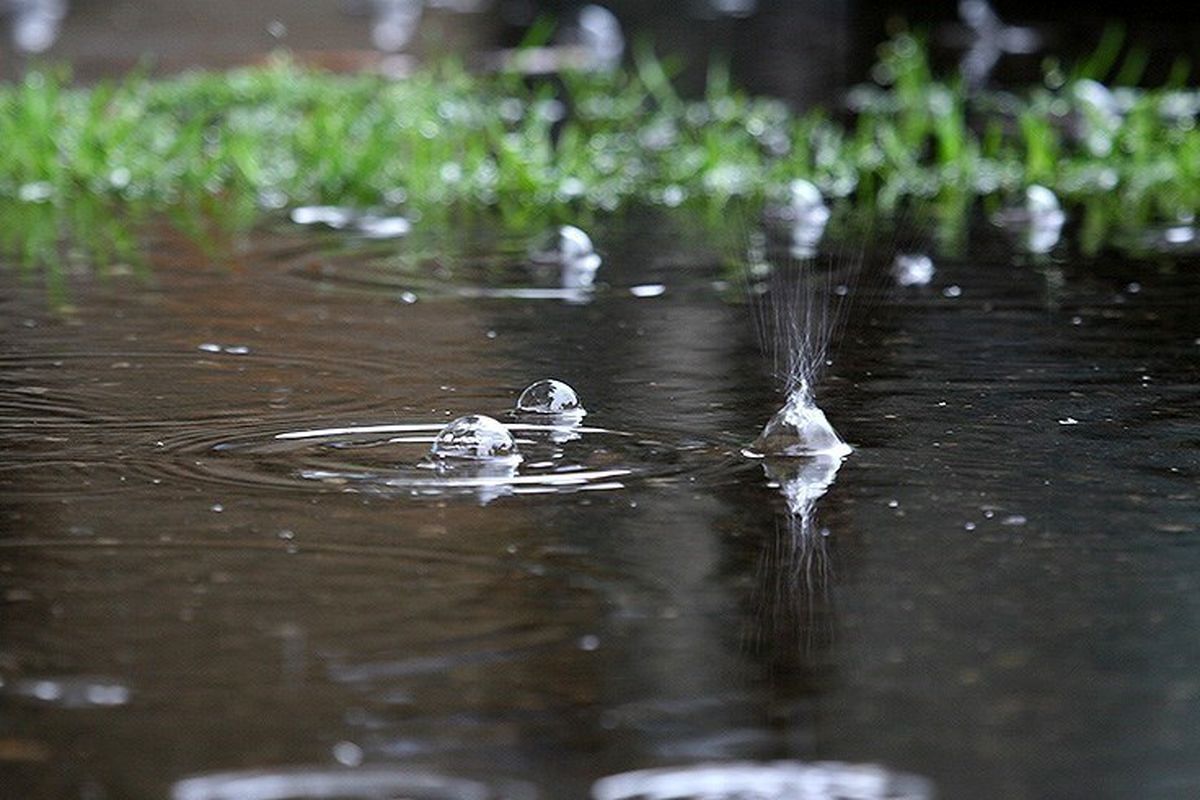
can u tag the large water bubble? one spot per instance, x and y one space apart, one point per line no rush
805 202
799 429
476 437
550 396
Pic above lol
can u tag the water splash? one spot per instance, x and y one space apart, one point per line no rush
800 429
795 323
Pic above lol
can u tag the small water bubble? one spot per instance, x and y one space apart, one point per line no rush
276 29
348 754
893 504
968 526
474 436
952 291
589 643
408 298
286 535
210 347
217 508
1014 520
549 396
912 269
1068 421
1133 288
491 334
648 290
237 350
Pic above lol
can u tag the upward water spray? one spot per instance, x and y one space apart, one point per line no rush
795 324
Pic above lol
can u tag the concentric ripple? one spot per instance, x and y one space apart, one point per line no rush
781 780
392 460
309 783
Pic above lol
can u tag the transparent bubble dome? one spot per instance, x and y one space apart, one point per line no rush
550 396
475 436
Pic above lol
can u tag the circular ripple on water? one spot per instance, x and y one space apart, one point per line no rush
392 460
149 390
309 783
781 780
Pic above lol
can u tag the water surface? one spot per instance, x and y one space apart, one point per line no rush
998 591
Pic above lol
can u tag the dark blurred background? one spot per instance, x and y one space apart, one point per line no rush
803 50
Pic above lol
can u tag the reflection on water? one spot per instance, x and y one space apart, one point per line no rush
218 536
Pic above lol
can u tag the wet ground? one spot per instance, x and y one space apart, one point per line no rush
998 590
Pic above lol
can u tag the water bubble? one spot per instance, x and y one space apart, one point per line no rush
912 269
550 397
799 429
474 436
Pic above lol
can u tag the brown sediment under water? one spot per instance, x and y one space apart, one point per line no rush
226 567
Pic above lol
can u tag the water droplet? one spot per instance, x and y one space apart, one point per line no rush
912 269
549 396
474 436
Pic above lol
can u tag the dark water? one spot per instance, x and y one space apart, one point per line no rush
1000 590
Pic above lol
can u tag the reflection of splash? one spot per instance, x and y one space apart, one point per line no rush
781 780
795 569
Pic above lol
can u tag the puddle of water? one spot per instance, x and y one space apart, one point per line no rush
216 513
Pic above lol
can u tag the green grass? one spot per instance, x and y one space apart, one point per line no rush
442 141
